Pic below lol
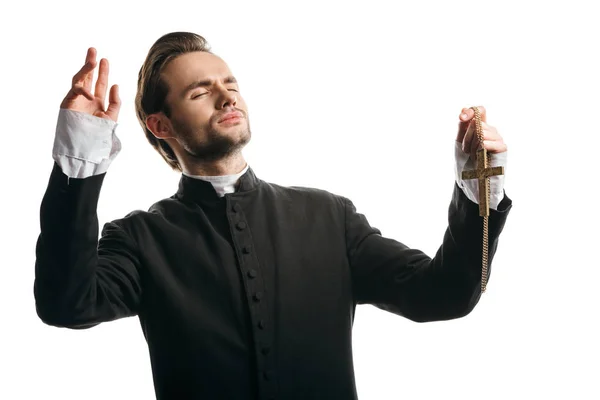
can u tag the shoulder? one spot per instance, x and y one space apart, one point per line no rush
158 211
306 195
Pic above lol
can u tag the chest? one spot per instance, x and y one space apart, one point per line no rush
225 261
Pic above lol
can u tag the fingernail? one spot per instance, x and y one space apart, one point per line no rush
463 115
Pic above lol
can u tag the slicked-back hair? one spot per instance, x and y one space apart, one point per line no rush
152 90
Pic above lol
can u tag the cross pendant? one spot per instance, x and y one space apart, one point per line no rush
482 173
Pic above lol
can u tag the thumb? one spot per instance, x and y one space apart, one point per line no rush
463 125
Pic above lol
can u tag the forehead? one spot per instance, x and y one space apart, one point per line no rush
195 66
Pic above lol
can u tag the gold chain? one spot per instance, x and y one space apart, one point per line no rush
484 251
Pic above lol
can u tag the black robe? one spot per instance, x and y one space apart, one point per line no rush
251 295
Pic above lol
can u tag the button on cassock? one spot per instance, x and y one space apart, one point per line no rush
241 225
258 296
252 273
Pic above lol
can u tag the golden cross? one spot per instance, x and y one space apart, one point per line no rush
482 173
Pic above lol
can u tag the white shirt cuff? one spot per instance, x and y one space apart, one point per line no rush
471 186
84 145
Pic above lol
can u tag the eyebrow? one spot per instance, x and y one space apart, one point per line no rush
204 83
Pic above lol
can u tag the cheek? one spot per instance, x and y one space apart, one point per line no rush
195 114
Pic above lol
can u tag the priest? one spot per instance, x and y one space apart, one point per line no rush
244 289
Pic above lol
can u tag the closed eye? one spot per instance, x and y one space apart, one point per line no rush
200 94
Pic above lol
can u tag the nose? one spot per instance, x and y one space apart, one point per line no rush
229 99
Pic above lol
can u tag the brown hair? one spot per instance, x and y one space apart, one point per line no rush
152 89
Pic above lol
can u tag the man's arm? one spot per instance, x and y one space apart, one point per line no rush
407 282
80 281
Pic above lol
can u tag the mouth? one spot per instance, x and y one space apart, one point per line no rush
230 121
231 117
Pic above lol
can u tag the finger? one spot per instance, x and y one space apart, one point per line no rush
102 81
464 115
82 91
469 114
91 55
114 103
463 124
466 144
475 144
85 74
75 92
494 146
489 132
91 59
482 113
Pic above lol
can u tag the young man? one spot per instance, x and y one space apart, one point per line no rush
244 289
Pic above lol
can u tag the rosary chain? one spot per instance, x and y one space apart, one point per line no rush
484 250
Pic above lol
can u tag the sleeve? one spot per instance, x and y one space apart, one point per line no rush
405 281
470 186
81 281
84 145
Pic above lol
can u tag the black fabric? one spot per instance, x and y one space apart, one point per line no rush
252 295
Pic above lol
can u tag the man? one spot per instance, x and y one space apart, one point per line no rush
244 289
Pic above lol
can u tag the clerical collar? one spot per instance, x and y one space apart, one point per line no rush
224 183
204 189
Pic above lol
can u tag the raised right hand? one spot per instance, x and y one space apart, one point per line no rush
80 96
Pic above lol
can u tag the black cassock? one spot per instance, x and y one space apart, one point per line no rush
250 295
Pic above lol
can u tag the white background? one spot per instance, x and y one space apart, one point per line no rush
361 99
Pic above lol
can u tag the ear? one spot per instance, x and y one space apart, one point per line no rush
159 125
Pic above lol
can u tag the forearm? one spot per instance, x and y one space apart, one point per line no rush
81 281
66 252
408 282
450 283
460 256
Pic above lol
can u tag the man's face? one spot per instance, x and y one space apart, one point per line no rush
202 91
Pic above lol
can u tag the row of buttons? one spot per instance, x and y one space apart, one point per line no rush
258 296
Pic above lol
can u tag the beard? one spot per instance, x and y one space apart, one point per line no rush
215 145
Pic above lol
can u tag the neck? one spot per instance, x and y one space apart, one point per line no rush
226 166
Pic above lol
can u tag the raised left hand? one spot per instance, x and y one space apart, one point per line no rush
492 141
